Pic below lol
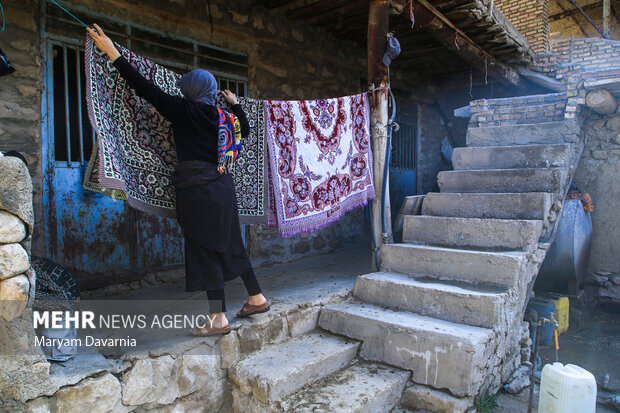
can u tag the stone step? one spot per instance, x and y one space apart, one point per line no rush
566 131
485 267
476 305
528 205
439 353
503 180
278 370
363 387
479 233
508 157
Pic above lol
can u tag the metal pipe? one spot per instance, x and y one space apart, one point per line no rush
574 3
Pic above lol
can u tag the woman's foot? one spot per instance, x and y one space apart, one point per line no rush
256 304
215 324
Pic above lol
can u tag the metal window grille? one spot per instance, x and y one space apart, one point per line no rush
68 118
404 147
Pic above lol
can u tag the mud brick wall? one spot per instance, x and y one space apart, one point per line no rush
518 110
531 18
591 54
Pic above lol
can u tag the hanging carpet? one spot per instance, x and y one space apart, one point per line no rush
135 156
320 163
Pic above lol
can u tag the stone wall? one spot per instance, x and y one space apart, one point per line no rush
432 130
20 96
598 174
531 18
21 368
16 223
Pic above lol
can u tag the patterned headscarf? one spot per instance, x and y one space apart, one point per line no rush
229 140
199 86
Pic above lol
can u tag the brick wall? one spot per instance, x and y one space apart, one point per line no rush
531 18
591 54
518 110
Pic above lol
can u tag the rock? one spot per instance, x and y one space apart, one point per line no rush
12 229
13 260
13 296
520 380
16 189
38 405
95 394
599 154
613 123
150 381
162 380
229 349
422 397
617 139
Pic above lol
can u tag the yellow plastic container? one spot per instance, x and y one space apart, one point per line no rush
561 310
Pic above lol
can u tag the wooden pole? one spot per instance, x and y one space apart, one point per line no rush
378 26
606 17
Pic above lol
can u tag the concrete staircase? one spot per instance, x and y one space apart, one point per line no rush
441 323
449 300
311 373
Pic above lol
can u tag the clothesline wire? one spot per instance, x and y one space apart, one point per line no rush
70 14
3 21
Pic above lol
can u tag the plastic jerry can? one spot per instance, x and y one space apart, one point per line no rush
544 307
561 311
566 389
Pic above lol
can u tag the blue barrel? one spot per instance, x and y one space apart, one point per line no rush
544 307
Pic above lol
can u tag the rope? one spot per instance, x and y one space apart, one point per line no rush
71 14
411 16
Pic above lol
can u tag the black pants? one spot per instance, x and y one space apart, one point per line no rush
217 302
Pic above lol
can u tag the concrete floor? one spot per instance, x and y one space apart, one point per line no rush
308 281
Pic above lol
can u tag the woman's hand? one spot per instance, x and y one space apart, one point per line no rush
103 42
229 97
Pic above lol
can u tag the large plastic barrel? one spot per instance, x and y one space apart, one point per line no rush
566 263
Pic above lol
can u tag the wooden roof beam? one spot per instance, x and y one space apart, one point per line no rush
431 20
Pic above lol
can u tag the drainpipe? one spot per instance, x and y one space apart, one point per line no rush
378 26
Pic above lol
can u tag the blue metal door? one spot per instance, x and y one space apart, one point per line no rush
88 233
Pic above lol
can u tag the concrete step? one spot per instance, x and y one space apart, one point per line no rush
508 157
475 305
363 387
485 267
504 180
278 370
532 205
566 131
439 353
479 233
